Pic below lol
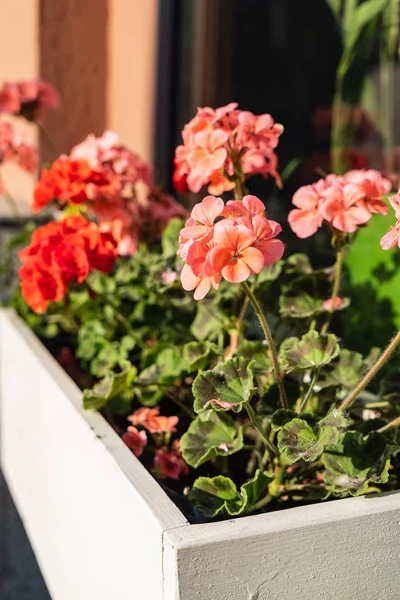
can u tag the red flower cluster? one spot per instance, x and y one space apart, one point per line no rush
221 144
28 98
345 202
241 243
392 238
62 252
68 181
14 148
116 187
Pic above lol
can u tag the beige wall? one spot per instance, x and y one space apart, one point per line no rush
132 58
19 59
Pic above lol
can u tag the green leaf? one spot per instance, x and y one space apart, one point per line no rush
199 354
335 418
312 351
208 322
170 237
353 463
210 434
336 7
281 417
298 305
270 273
171 362
227 387
219 495
298 440
105 361
109 388
298 263
256 352
347 372
101 283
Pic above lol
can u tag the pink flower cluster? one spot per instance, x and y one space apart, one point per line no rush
28 98
167 462
123 198
239 244
392 238
225 144
14 148
344 202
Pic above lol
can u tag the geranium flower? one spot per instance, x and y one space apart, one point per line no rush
392 238
62 252
241 243
306 219
135 440
234 254
151 419
28 98
327 304
14 148
170 464
222 143
345 208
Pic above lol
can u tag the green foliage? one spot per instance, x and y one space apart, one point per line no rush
312 351
347 372
227 387
298 439
211 434
109 388
353 463
219 496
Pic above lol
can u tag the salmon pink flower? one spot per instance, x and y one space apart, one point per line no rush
151 419
201 285
392 238
306 219
265 231
135 440
345 208
234 254
327 304
170 464
221 144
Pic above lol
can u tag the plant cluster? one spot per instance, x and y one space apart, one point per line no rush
245 400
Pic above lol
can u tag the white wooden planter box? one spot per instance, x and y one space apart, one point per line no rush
103 529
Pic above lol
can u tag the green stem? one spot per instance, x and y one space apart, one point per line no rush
268 337
372 372
336 288
254 421
239 192
51 147
391 425
274 488
309 392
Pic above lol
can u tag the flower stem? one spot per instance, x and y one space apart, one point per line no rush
391 425
309 392
274 488
372 372
239 193
48 142
268 337
336 288
254 421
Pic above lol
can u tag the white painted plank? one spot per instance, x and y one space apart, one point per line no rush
347 549
94 515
